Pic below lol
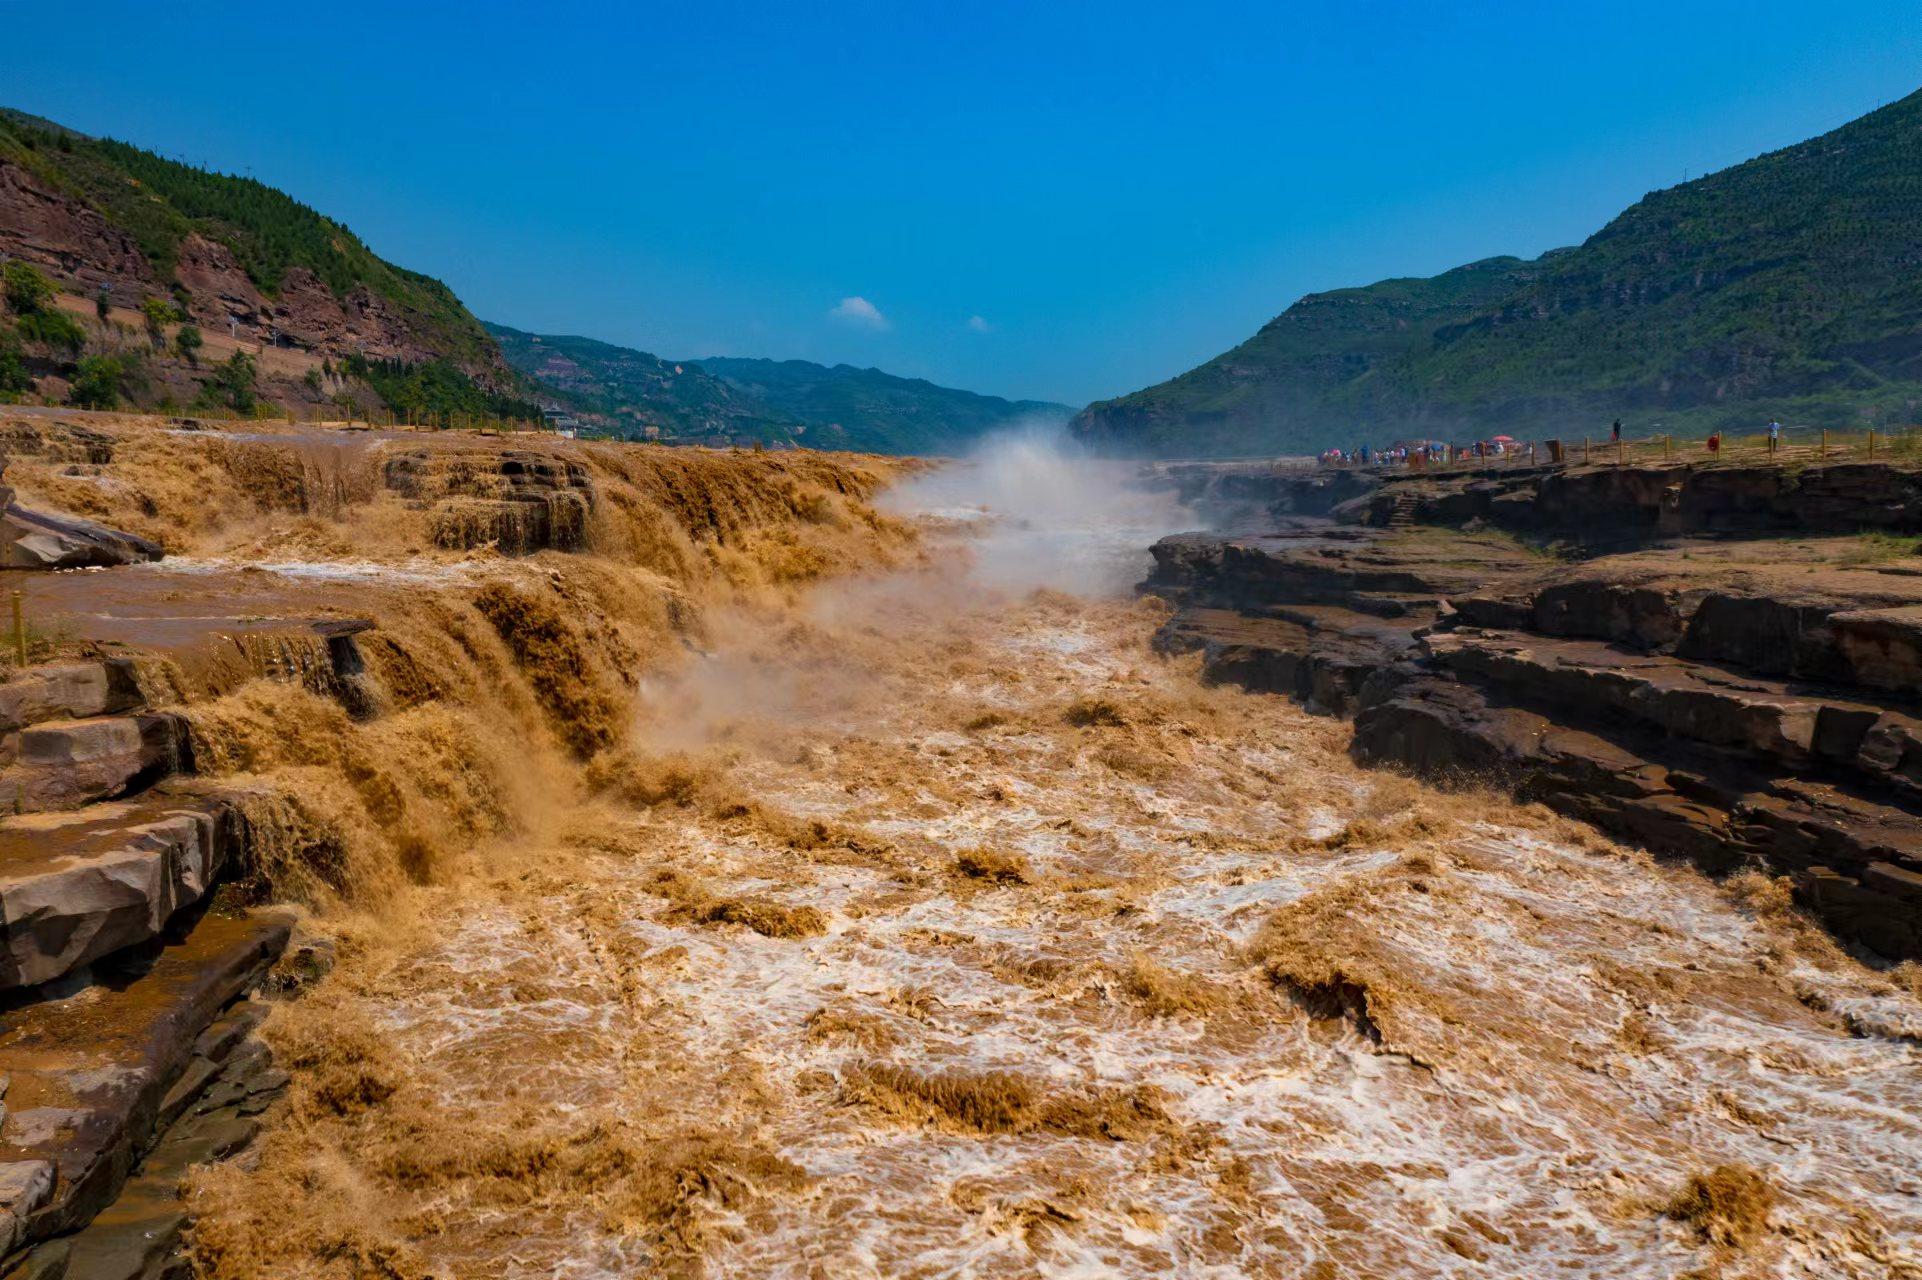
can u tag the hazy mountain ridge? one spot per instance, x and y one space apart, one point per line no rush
1784 285
627 392
636 393
868 409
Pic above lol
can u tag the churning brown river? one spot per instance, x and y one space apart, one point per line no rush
939 928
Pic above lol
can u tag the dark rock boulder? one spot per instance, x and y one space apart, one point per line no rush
37 540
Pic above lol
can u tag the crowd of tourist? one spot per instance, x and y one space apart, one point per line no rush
1430 453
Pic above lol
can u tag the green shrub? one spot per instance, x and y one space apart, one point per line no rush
97 383
27 290
232 386
187 341
158 313
13 370
54 330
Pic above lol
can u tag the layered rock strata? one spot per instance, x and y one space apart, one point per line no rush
126 1052
1739 703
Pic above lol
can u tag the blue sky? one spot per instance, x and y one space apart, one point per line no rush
1062 201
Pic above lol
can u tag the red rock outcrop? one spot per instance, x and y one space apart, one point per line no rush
69 239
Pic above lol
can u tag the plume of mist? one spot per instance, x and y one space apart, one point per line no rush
1026 509
1046 512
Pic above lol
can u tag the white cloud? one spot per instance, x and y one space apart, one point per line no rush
979 324
862 314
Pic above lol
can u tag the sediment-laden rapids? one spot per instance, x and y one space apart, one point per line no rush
699 913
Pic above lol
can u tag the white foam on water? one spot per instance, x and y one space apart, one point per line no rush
1556 1038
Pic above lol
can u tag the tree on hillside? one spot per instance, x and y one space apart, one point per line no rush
13 370
158 313
29 295
102 305
187 341
233 384
97 384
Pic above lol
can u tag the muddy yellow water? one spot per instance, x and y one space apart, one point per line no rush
928 924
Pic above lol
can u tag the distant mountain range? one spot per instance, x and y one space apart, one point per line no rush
846 407
633 393
626 392
1786 286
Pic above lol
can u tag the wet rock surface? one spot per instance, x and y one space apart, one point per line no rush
38 540
1741 704
515 500
80 885
96 1071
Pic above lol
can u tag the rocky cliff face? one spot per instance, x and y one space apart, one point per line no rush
69 238
1740 701
85 253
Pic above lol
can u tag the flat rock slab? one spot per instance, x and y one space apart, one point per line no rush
78 886
1318 654
89 1072
38 540
218 625
1330 564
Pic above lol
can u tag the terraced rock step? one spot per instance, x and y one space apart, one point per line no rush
78 886
1794 726
64 691
94 1074
63 764
517 500
1746 704
1856 860
1317 654
212 1111
1606 503
1328 564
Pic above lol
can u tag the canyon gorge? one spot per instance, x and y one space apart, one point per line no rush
436 854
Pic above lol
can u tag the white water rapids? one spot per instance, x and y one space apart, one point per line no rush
1110 974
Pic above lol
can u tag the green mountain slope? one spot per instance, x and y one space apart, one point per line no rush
1786 285
626 392
849 408
1284 388
160 204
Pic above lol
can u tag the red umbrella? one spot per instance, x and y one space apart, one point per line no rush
1504 439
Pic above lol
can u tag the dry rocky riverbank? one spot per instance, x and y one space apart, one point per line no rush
1720 662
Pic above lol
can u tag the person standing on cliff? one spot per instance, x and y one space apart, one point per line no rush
1615 432
1775 435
